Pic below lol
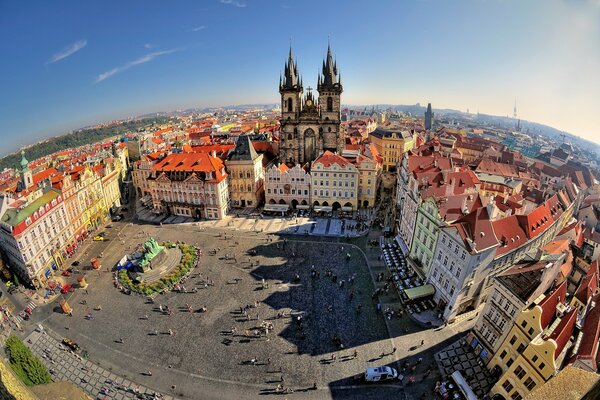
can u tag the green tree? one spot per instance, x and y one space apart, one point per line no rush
25 364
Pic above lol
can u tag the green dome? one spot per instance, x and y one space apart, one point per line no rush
24 163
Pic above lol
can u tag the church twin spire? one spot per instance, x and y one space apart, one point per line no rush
328 77
291 78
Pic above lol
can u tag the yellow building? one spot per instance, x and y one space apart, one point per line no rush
391 144
536 345
246 175
90 196
110 174
368 180
334 183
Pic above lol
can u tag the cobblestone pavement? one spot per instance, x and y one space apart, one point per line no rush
67 366
459 356
204 360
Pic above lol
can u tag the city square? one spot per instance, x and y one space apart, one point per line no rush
223 340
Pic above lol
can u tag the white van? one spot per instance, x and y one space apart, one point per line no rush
380 374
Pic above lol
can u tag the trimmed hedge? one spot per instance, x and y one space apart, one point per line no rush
188 259
25 364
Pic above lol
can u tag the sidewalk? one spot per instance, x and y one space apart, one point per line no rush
91 378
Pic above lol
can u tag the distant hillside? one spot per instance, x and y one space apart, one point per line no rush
79 138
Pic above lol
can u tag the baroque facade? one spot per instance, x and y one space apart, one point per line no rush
310 126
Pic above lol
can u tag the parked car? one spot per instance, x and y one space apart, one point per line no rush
75 263
124 209
379 374
98 238
66 288
116 218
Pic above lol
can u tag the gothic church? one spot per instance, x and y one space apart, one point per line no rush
310 126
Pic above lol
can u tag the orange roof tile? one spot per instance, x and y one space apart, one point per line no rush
328 158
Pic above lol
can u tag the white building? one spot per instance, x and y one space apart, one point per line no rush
284 185
34 236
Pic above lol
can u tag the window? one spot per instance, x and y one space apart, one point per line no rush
507 386
542 365
510 362
534 358
530 331
519 372
503 354
516 396
523 324
444 239
529 383
445 260
458 271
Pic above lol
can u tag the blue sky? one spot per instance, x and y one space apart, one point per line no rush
67 64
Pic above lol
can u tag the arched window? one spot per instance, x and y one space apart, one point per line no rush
290 137
289 105
329 104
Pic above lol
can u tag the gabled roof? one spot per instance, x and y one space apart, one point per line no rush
328 158
476 230
588 348
537 221
191 162
549 303
509 233
588 284
244 151
563 331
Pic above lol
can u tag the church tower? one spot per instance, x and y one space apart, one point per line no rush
26 175
290 88
330 89
428 117
310 125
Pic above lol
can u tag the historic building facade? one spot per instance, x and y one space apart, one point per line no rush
284 185
334 182
34 237
246 175
190 185
310 126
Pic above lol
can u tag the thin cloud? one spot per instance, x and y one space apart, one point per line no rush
198 28
68 51
139 61
234 3
148 46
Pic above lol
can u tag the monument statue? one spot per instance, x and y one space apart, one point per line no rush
152 249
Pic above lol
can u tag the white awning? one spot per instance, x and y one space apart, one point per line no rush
463 386
302 207
323 208
276 207
346 209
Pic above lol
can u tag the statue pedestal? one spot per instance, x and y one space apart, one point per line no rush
147 267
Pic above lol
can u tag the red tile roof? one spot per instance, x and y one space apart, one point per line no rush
328 158
477 227
588 284
509 233
192 162
536 221
45 174
548 304
588 348
562 333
